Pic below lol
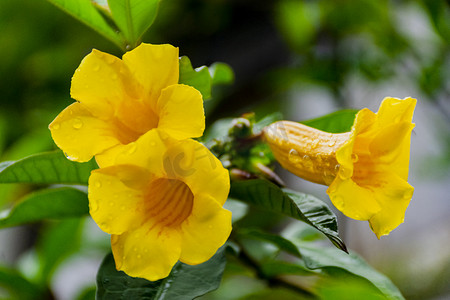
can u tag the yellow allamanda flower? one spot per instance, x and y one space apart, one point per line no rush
120 100
366 169
161 203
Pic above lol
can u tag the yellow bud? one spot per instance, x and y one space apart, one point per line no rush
305 151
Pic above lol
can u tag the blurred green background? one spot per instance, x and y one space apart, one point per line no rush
303 58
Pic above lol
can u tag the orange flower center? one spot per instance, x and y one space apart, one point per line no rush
168 202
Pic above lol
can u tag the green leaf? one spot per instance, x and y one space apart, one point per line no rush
47 168
198 78
86 12
58 241
221 73
328 259
133 17
185 282
17 285
299 206
55 203
336 122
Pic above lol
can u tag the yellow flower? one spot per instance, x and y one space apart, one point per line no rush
119 101
161 204
366 169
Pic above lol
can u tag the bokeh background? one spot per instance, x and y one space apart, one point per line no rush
302 58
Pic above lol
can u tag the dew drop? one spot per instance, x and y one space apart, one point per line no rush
355 157
331 143
338 201
328 177
93 206
314 144
307 162
98 184
293 156
77 123
56 126
336 167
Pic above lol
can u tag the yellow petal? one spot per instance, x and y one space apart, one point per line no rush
80 135
394 198
352 200
101 82
116 197
205 230
391 147
393 110
194 164
147 252
154 67
180 108
147 152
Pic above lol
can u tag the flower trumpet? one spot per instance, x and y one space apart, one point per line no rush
366 169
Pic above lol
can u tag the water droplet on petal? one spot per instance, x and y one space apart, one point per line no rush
77 123
336 167
293 156
93 206
314 144
355 157
307 162
331 143
98 184
328 177
338 201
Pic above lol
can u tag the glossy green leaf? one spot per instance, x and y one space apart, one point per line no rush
328 259
55 203
198 78
17 285
185 282
336 122
58 241
86 12
296 205
133 17
221 73
47 168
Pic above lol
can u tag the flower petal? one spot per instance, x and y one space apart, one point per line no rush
101 83
147 252
147 152
194 164
205 230
394 198
393 110
115 197
391 147
180 108
154 67
352 200
80 135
